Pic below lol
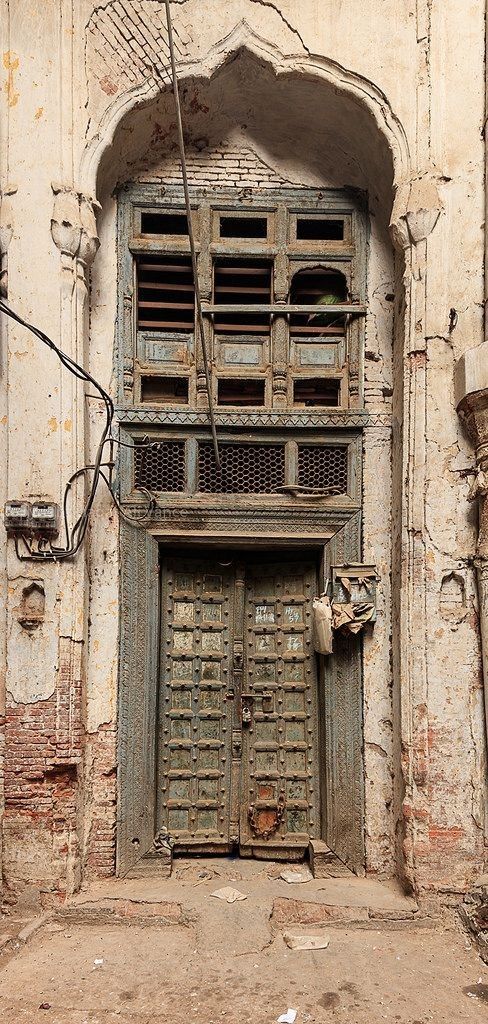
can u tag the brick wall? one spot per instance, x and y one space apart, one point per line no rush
44 749
231 166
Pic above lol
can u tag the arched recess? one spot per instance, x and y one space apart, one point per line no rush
320 126
358 91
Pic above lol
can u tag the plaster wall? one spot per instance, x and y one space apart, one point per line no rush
235 147
356 94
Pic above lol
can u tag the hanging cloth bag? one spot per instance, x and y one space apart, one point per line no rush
322 625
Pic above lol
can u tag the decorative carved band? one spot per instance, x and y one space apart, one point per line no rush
307 523
173 417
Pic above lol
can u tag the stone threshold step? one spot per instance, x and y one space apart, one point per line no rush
283 913
120 911
287 912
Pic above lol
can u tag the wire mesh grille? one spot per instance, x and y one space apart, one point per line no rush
323 466
245 469
160 467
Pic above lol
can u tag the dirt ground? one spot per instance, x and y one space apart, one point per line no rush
109 957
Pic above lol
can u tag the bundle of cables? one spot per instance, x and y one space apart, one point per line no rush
75 535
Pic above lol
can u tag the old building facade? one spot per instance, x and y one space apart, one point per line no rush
161 685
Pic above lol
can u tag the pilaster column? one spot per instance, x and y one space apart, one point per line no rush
415 214
73 228
471 392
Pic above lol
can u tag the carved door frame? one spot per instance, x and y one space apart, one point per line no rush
340 688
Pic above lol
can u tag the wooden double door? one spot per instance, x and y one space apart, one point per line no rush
237 757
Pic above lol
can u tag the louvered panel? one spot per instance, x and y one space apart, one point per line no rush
242 282
165 294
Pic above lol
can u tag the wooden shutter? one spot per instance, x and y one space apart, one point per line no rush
165 294
342 724
245 282
137 696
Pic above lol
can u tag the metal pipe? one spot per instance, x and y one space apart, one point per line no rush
184 175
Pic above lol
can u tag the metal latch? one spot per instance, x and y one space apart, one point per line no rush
247 705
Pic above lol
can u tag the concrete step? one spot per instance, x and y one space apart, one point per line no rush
185 897
120 911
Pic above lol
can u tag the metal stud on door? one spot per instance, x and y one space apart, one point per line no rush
279 765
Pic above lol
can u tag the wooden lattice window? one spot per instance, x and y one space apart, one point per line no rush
281 277
322 289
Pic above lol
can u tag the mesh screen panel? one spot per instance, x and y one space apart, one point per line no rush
323 466
160 467
245 468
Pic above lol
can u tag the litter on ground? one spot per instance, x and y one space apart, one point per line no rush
291 876
228 894
319 940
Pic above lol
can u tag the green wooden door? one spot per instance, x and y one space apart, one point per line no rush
280 757
195 711
238 728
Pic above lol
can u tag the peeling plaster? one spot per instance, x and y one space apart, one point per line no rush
11 64
32 657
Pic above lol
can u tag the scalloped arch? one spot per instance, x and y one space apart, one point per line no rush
243 38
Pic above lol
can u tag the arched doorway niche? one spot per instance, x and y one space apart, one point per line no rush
297 127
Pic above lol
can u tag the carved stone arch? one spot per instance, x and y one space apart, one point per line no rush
242 37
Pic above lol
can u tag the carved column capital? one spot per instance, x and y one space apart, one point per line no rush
73 224
89 242
416 209
471 396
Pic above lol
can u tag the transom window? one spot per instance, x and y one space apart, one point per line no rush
262 466
282 280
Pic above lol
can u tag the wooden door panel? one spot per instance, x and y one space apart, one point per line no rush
280 748
194 727
238 743
137 696
341 715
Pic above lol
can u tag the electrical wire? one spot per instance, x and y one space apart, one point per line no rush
184 175
75 536
133 520
143 519
77 533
